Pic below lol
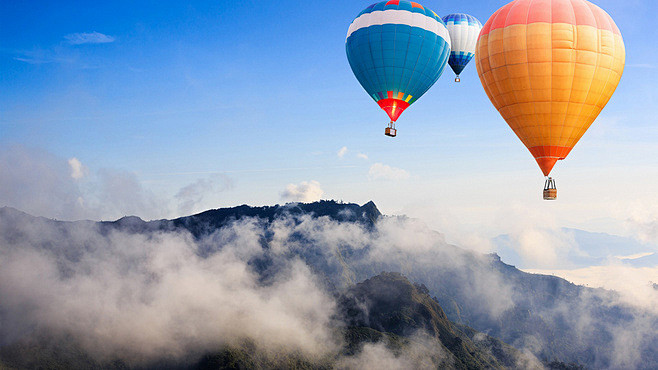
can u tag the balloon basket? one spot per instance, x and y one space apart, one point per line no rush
390 130
550 190
457 79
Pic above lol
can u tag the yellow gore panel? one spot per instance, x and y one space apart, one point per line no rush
550 81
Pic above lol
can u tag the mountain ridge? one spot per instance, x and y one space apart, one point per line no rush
345 243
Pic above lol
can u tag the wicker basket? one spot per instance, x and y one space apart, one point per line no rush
550 194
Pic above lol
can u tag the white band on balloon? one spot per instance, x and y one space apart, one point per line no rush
395 16
463 36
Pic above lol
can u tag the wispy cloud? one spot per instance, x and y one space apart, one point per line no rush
88 38
635 256
380 171
362 156
257 170
342 151
32 60
193 194
40 56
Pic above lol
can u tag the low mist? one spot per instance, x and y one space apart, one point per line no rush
145 296
137 297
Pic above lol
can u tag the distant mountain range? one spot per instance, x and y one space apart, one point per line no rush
589 249
394 281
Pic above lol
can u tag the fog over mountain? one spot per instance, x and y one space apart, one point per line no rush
580 249
613 262
257 285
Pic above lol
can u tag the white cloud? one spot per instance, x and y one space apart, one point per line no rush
635 256
380 171
190 196
543 247
77 169
342 151
421 353
634 284
362 156
306 191
644 226
138 297
39 183
122 192
375 356
88 38
43 184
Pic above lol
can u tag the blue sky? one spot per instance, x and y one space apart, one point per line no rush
169 108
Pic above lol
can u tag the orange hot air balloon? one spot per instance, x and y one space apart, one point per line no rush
549 67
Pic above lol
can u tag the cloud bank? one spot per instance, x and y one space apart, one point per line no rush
634 284
137 297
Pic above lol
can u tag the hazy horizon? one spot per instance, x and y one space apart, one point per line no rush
162 110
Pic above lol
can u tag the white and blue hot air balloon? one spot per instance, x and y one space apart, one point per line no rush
397 50
464 30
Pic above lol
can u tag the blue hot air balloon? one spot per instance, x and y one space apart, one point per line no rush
464 30
397 50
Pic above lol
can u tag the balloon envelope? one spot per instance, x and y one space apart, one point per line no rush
397 51
549 67
464 30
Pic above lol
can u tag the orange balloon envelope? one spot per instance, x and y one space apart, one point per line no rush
549 67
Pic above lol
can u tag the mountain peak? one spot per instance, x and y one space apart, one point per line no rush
370 211
129 220
370 204
6 210
387 297
391 303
